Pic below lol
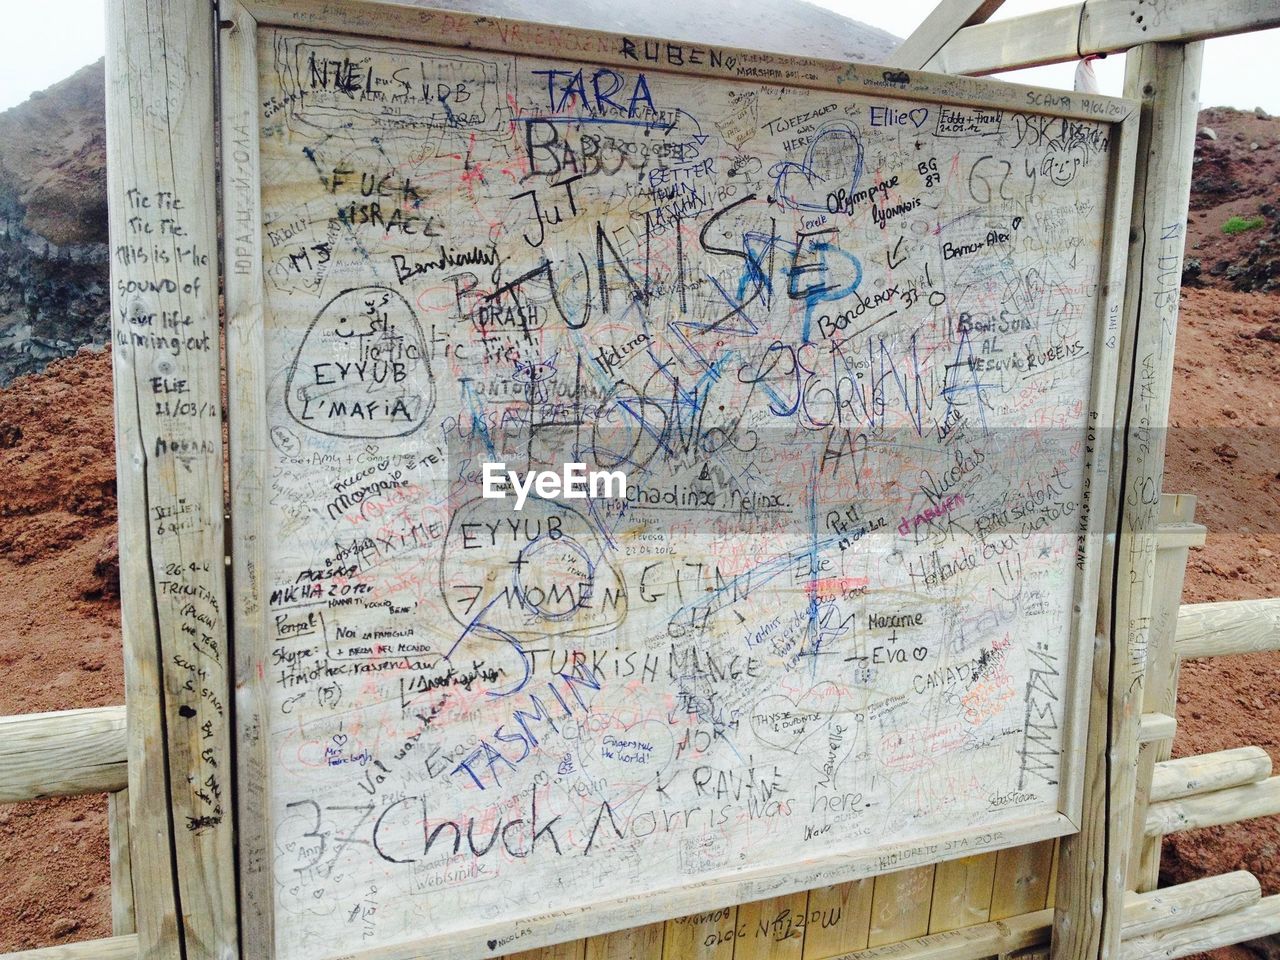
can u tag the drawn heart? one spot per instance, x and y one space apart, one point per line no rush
630 754
784 723
339 739
493 944
922 112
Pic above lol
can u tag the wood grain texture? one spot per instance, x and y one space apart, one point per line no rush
774 928
1099 26
839 919
1156 726
962 892
637 943
107 948
1160 682
702 936
939 26
1210 809
123 919
63 753
1094 863
1021 881
1259 920
572 950
968 943
900 906
1188 776
168 401
247 433
1229 627
1185 903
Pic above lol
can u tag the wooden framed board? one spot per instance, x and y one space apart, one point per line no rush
850 334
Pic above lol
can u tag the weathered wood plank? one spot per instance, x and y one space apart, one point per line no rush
1156 726
1021 881
573 950
1229 627
1099 26
107 948
1147 913
1226 896
1188 776
900 905
962 892
839 919
769 929
707 936
637 943
163 228
967 943
247 433
1210 809
703 936
939 26
123 920
1160 683
1165 78
63 753
1259 920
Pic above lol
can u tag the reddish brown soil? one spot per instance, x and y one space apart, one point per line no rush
1224 446
60 642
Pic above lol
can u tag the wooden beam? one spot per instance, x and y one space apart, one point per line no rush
1229 627
1211 809
162 216
1143 915
1173 907
1156 726
947 17
1259 920
1164 78
1186 534
107 948
851 904
1160 682
63 753
123 920
1097 26
1189 776
967 943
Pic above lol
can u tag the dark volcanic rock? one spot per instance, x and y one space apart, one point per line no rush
53 225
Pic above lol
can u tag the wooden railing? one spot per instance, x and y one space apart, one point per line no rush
64 754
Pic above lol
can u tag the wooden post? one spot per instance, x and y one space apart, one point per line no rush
941 24
168 409
1165 78
122 918
1160 683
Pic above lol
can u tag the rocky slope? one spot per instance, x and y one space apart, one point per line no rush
53 224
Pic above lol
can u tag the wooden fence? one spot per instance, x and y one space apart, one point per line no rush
980 906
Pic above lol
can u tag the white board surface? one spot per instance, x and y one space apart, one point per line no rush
842 345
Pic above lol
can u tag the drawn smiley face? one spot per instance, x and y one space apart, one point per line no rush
1061 165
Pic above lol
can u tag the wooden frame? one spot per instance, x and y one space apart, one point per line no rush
162 213
244 281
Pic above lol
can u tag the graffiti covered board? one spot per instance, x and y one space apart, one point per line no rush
837 344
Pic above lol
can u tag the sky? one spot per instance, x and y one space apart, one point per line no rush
1241 71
